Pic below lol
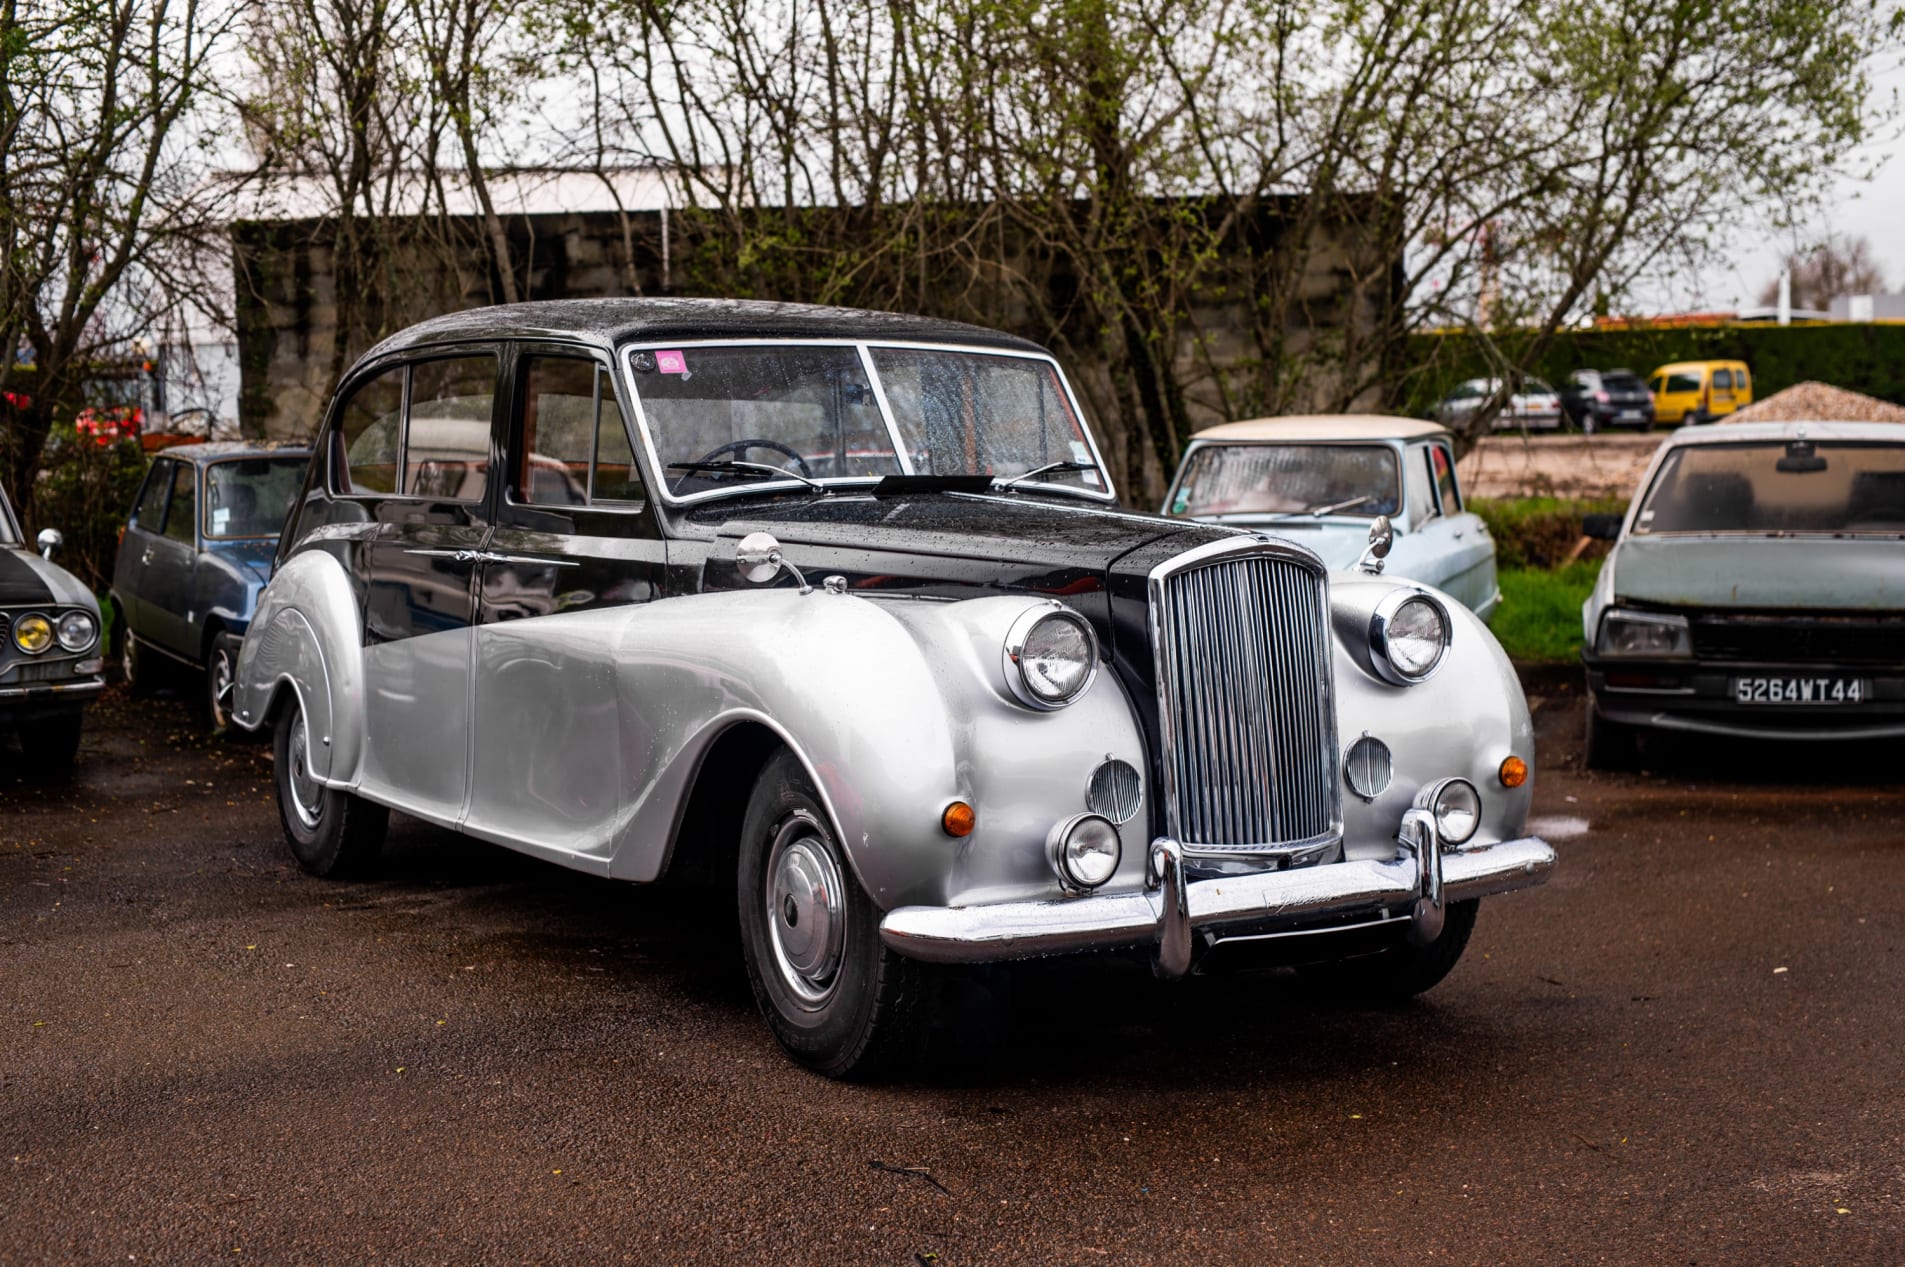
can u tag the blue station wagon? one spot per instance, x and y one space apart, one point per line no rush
194 554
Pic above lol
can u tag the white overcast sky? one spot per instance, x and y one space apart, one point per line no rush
1873 209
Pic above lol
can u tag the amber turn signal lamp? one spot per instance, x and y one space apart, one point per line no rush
959 819
1514 772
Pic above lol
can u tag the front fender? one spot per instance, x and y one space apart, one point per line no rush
896 707
1464 720
305 635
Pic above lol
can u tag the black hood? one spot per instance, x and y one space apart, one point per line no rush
957 545
21 584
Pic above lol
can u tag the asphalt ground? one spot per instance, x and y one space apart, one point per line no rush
1686 1048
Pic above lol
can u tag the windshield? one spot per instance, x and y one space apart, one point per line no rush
250 497
813 410
1279 479
1778 488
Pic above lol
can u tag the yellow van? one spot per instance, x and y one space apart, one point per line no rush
1699 391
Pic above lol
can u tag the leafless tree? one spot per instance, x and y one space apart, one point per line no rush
1837 266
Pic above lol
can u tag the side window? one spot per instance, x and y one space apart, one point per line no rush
574 448
368 434
1741 381
1444 469
1421 486
1723 380
182 519
446 449
150 514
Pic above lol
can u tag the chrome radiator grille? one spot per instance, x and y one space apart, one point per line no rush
1244 690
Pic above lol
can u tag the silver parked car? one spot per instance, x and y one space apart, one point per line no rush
1321 480
840 607
1534 406
1756 588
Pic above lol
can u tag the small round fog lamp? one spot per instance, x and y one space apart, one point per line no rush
1457 807
1084 850
1514 772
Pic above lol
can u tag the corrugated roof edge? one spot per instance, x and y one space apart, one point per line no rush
612 322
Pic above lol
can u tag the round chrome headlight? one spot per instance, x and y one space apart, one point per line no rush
1457 807
33 634
77 631
1051 656
1084 849
1408 636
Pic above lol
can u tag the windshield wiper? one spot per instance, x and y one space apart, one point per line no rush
747 470
1327 508
1050 468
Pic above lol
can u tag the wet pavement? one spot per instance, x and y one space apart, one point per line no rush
1687 1048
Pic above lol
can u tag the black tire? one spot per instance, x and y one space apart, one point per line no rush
1403 971
134 662
838 1000
49 747
331 833
1610 745
221 671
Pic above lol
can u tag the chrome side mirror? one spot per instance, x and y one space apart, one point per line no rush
49 542
759 559
1382 535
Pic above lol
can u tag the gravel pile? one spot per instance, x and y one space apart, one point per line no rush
1818 402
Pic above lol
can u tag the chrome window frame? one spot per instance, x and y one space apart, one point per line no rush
1295 853
865 349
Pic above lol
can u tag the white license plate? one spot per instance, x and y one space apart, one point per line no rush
1801 690
1628 415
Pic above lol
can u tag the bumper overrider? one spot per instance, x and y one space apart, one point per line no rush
1176 913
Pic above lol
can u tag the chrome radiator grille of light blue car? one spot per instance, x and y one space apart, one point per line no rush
1242 645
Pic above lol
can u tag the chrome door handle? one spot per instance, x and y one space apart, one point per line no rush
460 556
146 557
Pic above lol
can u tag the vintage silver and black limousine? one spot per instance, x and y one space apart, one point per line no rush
841 604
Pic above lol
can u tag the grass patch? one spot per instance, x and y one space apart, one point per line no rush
1539 532
1540 614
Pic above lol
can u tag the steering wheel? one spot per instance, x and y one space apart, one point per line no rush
742 446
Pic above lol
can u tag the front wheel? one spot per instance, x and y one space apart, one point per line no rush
135 666
1404 970
331 832
838 1000
221 673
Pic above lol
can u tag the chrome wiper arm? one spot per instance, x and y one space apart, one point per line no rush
1050 468
1319 511
747 470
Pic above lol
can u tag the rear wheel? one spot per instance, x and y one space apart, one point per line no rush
135 663
331 832
1610 745
838 1000
1404 970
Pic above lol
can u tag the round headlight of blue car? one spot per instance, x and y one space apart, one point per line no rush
1408 636
1051 656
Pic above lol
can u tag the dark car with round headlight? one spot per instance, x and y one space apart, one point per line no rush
49 649
840 607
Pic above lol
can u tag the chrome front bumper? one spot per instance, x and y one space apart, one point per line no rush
1176 912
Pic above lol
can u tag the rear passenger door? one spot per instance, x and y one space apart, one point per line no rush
575 531
432 468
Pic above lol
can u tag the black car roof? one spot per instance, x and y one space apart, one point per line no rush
616 321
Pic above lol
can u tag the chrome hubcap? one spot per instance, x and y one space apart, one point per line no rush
806 911
307 797
221 685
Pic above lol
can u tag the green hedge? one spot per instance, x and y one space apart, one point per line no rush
1540 532
1867 358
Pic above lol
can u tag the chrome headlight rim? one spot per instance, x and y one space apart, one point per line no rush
20 623
1058 852
1603 636
1380 638
1439 798
77 645
1019 680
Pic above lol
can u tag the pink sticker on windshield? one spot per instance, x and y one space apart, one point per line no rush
671 363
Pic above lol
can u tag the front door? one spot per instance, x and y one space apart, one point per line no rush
420 587
166 586
574 533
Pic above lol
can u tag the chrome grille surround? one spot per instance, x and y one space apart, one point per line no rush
1240 633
